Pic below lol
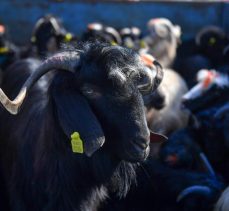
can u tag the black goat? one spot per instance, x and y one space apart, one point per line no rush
53 153
131 37
211 136
204 100
207 51
47 36
182 151
210 42
211 90
103 33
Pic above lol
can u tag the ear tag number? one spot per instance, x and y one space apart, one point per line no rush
77 143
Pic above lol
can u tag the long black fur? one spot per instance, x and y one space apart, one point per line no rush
40 170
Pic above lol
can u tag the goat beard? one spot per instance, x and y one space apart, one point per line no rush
116 175
122 179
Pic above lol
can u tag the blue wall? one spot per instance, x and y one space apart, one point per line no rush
20 15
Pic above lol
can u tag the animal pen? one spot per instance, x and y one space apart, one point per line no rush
113 105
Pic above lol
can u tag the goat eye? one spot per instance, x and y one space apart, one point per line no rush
87 90
90 91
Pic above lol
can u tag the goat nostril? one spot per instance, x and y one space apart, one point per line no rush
141 142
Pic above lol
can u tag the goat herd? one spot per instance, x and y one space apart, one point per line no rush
87 124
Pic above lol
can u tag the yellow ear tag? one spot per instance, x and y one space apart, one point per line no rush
77 143
113 42
4 50
68 37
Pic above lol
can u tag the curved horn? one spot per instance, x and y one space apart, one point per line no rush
146 83
159 76
151 81
196 189
60 61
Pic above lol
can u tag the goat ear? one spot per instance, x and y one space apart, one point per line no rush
157 138
76 119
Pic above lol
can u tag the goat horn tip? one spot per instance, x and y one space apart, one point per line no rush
12 106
